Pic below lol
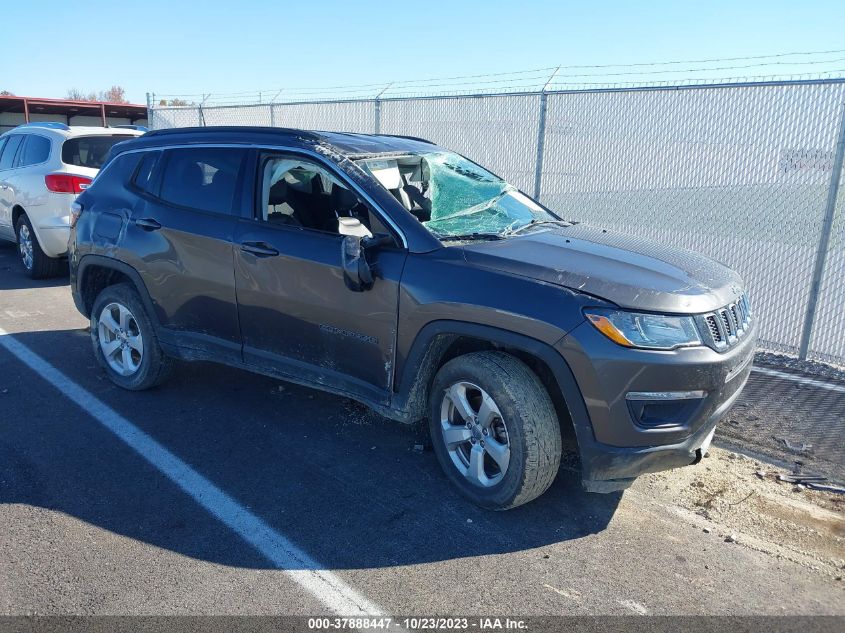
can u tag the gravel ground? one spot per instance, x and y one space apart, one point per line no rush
793 364
738 499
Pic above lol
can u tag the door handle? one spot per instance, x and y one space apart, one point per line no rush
259 249
148 224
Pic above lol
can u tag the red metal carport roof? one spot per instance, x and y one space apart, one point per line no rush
32 105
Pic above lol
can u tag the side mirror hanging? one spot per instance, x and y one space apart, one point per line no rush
357 273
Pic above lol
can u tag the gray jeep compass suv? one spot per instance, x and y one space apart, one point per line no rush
405 276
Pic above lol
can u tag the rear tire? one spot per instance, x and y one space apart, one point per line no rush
125 341
504 443
36 263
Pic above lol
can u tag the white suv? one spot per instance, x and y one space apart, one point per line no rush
43 168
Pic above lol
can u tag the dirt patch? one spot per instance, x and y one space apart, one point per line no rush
791 363
741 500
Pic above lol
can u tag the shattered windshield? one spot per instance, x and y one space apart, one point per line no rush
454 198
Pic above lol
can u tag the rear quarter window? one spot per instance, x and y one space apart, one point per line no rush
90 151
115 177
144 175
36 149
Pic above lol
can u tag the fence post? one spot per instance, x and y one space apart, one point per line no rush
541 138
200 112
824 241
377 121
273 108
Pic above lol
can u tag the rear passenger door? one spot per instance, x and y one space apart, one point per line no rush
9 146
27 181
182 227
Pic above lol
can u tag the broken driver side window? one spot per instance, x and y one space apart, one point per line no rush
300 193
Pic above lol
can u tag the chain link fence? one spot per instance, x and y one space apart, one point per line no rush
747 174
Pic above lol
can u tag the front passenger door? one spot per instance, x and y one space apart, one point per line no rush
296 314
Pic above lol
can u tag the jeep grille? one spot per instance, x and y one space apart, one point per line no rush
723 328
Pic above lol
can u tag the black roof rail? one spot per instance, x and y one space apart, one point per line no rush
410 138
212 129
52 125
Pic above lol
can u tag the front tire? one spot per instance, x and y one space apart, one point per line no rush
494 429
125 341
36 262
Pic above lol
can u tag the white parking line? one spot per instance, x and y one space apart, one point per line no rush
328 588
799 379
634 606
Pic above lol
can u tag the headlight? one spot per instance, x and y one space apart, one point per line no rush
649 331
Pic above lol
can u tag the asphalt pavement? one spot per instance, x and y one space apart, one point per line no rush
227 492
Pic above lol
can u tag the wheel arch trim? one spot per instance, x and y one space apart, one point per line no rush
19 212
87 261
426 351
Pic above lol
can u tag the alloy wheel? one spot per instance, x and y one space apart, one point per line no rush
25 245
475 434
120 339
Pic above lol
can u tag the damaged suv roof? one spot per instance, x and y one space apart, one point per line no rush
346 143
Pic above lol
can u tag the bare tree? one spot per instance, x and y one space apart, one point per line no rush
115 94
174 102
74 94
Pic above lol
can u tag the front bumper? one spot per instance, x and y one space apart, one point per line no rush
615 446
610 468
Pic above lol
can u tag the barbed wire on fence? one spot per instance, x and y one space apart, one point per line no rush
643 74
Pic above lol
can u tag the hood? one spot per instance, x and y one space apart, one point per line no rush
624 269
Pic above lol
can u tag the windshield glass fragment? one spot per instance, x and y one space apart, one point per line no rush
453 197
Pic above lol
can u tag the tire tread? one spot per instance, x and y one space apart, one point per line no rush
539 423
543 440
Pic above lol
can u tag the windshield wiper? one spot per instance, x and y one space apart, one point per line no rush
534 223
469 237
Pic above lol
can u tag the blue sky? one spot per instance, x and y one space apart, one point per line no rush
215 46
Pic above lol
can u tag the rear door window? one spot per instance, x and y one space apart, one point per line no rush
9 151
35 150
90 151
203 178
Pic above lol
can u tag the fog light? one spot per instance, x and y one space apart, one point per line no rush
664 409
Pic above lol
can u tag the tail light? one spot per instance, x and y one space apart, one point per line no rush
66 183
75 212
